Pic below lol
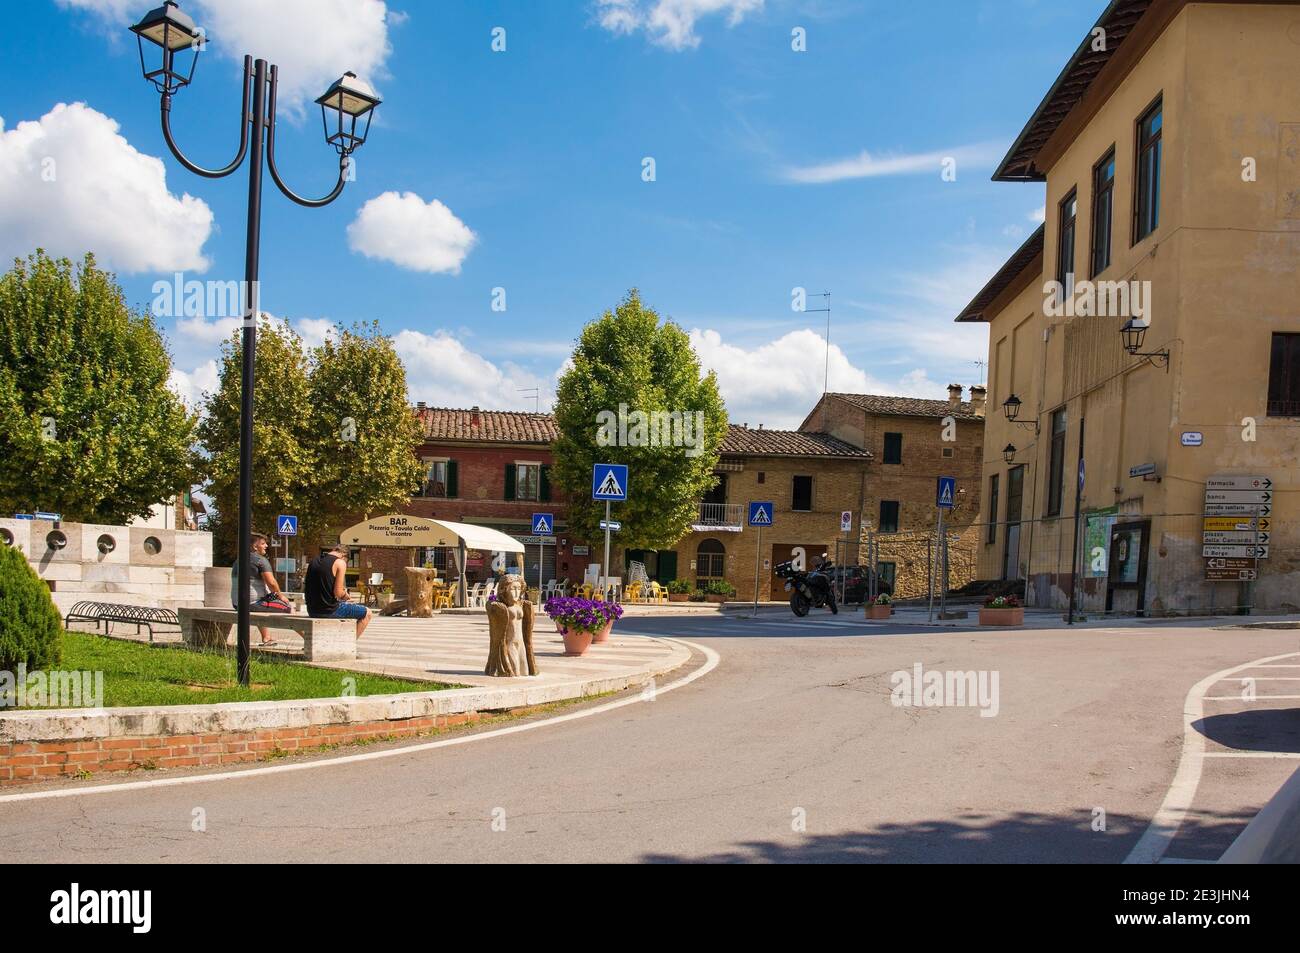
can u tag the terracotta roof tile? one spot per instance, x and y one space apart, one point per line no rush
790 443
908 406
488 426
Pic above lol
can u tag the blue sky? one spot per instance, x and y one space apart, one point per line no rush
523 170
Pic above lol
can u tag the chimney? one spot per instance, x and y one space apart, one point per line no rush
474 419
954 396
978 395
419 405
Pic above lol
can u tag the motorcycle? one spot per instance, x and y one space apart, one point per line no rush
809 590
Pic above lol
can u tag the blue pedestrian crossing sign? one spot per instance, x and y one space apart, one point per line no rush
609 482
760 514
947 492
287 525
543 524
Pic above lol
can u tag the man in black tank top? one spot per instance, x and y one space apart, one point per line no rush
326 589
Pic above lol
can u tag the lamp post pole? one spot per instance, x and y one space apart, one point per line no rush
349 100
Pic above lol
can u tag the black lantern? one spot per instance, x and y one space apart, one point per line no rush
1009 453
1133 332
172 30
1011 407
342 108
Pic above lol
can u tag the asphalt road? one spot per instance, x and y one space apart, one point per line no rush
789 750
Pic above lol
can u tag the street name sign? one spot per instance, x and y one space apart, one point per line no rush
612 525
1142 469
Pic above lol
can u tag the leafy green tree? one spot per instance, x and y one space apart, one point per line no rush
628 360
30 628
88 425
362 434
282 462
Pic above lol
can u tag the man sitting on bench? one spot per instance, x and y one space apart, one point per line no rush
327 592
264 593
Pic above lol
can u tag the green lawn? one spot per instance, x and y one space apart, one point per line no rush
137 674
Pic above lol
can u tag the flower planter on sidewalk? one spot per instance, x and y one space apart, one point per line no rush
1002 617
576 641
879 613
602 634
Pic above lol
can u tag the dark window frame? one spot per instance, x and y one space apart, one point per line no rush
896 446
794 493
1056 462
1103 191
1284 375
1067 230
992 536
881 526
1148 156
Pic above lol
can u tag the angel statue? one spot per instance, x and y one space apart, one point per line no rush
510 622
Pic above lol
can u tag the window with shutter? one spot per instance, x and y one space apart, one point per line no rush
510 481
453 479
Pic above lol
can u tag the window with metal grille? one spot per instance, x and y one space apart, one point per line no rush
1056 470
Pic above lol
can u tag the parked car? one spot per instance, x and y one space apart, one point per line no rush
856 581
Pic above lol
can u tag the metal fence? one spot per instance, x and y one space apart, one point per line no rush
1114 563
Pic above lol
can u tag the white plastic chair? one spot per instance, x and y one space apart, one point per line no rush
476 595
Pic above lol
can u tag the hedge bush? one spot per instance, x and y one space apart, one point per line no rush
30 626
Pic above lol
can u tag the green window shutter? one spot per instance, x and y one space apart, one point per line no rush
453 480
510 481
546 483
667 566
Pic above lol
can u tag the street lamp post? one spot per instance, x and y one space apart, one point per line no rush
347 103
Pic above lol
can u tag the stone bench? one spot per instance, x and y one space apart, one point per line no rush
324 640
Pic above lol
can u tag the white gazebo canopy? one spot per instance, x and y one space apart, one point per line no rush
404 530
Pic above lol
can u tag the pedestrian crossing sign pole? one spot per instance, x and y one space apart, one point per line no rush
608 483
543 526
760 515
285 526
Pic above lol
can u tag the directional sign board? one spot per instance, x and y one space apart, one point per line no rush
609 482
1238 483
612 525
760 514
1247 551
543 524
1236 526
287 525
946 492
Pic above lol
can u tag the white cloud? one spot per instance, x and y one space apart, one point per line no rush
443 372
315 331
669 23
864 165
312 41
1038 215
777 383
191 385
70 183
412 233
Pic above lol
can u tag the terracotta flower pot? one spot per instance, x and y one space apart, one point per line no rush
602 634
576 641
879 613
678 596
1002 617
713 597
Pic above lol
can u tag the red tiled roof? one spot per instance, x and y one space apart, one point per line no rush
787 443
908 406
487 426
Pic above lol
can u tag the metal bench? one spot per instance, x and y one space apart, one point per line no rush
109 612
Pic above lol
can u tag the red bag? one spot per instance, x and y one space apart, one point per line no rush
271 604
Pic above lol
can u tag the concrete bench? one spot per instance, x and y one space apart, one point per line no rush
324 640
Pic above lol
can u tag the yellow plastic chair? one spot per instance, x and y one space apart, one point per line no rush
633 592
657 593
446 598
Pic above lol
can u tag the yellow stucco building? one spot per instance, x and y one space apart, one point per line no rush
1170 150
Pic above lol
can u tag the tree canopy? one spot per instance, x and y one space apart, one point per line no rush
636 395
88 426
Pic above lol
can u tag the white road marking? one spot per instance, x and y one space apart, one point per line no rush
1238 698
711 661
1251 754
1155 840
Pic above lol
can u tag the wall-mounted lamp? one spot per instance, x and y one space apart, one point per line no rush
1133 333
